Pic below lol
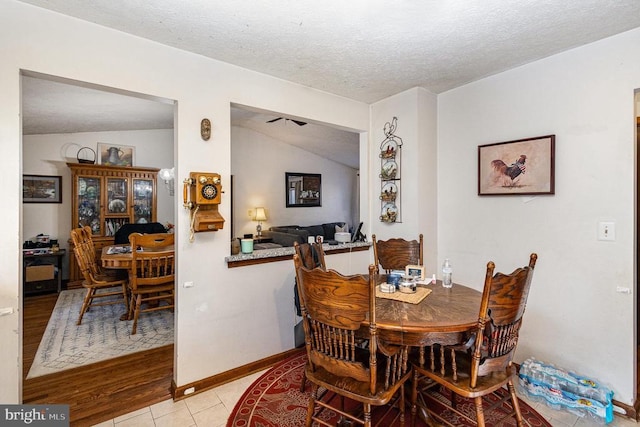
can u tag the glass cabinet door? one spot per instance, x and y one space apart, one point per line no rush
117 211
117 196
142 201
89 203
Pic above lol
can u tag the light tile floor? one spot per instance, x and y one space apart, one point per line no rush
207 409
213 407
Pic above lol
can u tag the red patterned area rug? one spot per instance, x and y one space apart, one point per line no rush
275 400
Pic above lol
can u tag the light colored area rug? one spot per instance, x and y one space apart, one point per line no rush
101 336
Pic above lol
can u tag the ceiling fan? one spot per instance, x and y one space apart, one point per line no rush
298 122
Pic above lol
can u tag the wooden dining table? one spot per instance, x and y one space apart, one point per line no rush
445 316
119 256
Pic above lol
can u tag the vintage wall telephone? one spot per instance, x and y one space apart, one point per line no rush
202 195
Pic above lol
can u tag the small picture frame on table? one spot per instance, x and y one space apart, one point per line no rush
415 271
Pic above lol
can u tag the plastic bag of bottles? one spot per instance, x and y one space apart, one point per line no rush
562 389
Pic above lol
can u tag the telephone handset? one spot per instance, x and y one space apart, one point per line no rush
202 195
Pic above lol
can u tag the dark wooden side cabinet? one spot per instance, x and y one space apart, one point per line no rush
39 274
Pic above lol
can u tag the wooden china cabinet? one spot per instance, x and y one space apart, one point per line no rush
105 198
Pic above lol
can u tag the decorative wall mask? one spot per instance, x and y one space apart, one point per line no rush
205 129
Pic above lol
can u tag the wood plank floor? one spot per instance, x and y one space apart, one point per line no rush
96 392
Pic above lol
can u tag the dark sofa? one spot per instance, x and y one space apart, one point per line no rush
286 235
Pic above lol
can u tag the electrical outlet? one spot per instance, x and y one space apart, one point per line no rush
607 231
250 213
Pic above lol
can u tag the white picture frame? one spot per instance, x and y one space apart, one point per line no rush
415 271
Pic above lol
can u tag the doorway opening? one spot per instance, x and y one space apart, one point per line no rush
63 122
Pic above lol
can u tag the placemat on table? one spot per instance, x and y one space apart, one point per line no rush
421 293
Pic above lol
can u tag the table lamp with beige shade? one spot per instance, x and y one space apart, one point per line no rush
260 215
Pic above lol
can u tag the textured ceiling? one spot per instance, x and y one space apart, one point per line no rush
63 106
365 50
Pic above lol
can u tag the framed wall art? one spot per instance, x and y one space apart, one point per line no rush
523 166
116 155
303 189
41 189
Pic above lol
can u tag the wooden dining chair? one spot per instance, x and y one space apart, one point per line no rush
86 235
101 289
396 254
337 310
152 274
483 364
311 254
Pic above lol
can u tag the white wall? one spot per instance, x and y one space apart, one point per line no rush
231 316
575 318
49 155
416 125
258 166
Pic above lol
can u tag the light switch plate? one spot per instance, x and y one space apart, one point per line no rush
607 231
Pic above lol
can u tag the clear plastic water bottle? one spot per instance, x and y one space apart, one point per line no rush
447 270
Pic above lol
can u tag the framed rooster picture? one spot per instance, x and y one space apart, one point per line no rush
523 166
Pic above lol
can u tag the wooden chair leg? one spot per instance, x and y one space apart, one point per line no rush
516 405
312 404
479 411
402 406
367 415
414 397
125 295
136 313
303 383
85 304
132 304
